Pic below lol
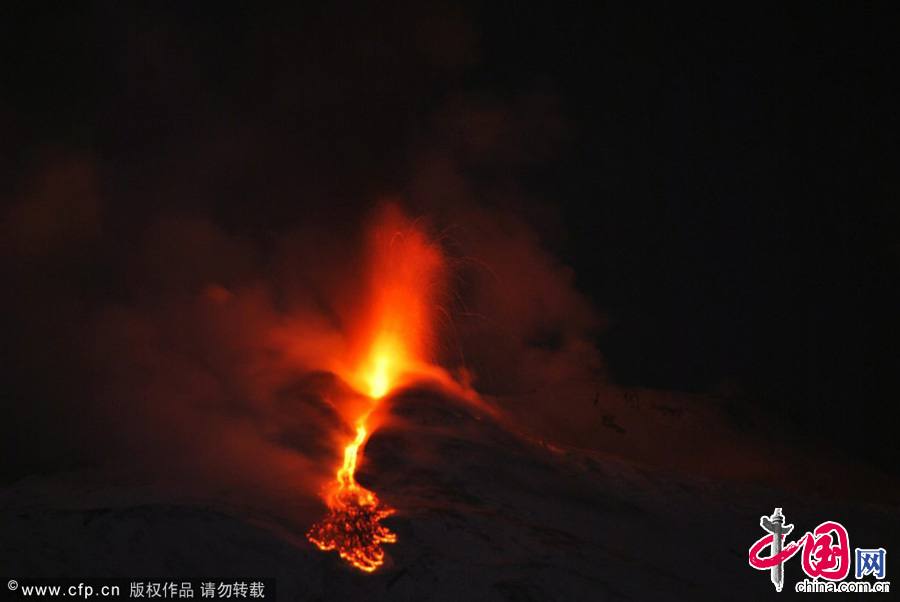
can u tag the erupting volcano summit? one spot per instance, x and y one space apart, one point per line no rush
389 346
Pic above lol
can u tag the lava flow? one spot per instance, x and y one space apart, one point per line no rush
353 524
390 345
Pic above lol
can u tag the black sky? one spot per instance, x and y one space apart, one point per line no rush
730 200
724 184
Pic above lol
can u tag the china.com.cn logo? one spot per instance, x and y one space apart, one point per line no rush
825 555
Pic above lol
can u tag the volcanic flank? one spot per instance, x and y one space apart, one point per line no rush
482 513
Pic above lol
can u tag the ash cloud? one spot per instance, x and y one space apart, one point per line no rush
518 320
163 270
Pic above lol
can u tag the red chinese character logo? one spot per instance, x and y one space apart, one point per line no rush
826 552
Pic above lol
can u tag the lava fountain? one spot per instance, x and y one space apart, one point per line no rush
390 345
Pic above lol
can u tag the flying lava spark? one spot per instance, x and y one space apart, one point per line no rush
390 346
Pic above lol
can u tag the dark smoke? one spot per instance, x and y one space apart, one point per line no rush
178 282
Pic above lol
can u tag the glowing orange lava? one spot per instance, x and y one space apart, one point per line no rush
353 524
391 345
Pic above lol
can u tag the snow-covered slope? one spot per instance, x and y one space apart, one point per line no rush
483 514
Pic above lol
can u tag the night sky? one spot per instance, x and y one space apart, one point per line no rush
721 182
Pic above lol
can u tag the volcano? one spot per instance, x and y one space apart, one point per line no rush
446 301
335 455
483 512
